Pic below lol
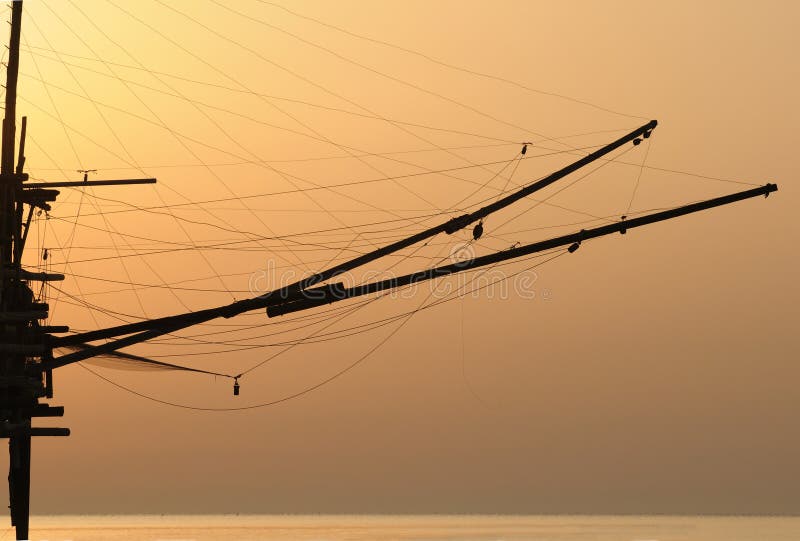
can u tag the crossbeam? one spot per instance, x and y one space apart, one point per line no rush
80 183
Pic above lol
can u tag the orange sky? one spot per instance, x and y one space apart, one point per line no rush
651 373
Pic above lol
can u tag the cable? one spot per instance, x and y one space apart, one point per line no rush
287 398
446 64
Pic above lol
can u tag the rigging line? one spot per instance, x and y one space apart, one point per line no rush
264 361
287 345
148 265
333 245
368 154
155 252
283 98
366 327
41 235
111 152
330 231
156 241
676 171
141 305
184 219
168 286
256 53
290 160
280 400
220 244
79 300
150 110
121 261
83 89
194 140
174 284
464 377
140 363
283 68
136 208
167 251
231 246
314 317
455 294
511 176
130 156
351 61
242 147
338 319
317 334
105 220
57 300
83 305
602 164
152 252
346 248
306 320
333 335
609 219
162 125
697 175
447 64
639 174
317 186
273 105
275 210
316 338
274 402
56 110
244 241
73 233
515 160
267 96
200 339
255 237
350 150
226 75
184 247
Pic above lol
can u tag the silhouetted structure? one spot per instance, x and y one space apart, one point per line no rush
26 347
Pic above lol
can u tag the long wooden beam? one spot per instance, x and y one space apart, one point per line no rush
450 226
460 222
312 297
80 183
337 292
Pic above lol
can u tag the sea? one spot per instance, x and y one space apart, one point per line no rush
408 528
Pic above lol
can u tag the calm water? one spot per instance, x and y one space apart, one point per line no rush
407 528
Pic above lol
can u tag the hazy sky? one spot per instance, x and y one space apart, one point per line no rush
650 373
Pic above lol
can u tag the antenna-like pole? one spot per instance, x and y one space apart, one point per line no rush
8 180
12 73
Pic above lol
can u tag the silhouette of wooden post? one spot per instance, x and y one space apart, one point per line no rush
24 343
18 394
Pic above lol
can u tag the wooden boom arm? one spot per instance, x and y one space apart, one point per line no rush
283 302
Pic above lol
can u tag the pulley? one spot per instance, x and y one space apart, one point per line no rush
477 231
